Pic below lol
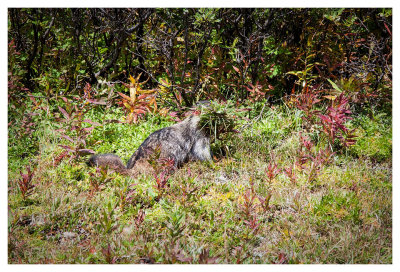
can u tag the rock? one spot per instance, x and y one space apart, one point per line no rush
37 220
221 179
70 235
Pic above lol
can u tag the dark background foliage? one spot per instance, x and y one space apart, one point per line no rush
202 53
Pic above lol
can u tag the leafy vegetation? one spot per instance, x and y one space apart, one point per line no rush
300 121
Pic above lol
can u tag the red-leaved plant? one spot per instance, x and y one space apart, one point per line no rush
272 171
334 119
310 160
289 172
98 179
163 168
25 183
250 206
140 218
306 102
108 254
74 117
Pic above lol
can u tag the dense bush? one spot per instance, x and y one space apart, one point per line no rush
203 53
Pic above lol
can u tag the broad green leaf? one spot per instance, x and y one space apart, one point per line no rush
334 85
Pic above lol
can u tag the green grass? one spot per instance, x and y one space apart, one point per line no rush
375 137
344 215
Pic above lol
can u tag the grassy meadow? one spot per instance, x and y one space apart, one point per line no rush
255 205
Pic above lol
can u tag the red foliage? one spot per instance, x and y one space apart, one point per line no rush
74 117
272 171
25 183
333 121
